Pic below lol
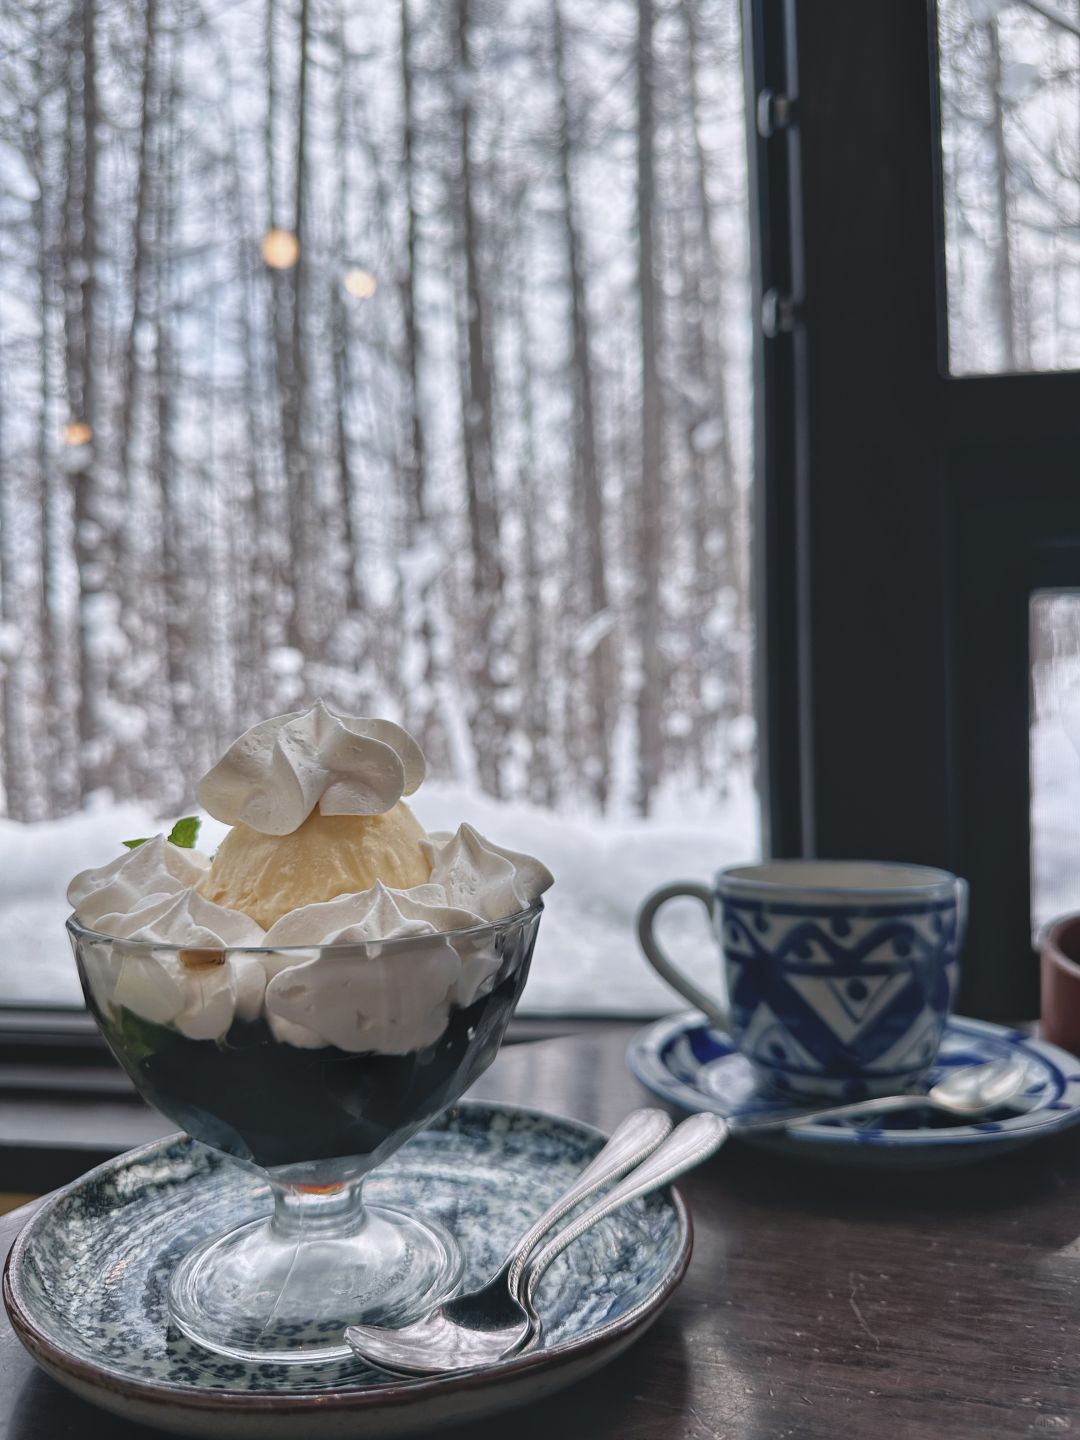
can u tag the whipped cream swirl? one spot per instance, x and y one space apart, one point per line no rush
376 914
152 870
482 876
391 1001
373 971
199 991
273 777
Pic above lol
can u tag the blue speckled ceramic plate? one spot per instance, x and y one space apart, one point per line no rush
85 1284
696 1068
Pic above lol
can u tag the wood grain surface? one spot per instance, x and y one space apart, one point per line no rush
819 1304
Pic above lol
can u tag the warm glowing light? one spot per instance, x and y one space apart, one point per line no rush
360 284
280 249
77 432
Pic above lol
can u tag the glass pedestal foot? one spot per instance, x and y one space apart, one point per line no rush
283 1288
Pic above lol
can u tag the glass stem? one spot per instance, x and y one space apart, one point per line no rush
313 1210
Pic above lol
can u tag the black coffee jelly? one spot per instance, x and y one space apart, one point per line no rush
274 1104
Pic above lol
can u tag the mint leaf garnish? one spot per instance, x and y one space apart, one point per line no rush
139 1039
185 832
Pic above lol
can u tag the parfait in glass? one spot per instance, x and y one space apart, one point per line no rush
304 1003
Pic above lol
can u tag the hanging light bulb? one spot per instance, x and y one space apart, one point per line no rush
360 284
78 432
280 249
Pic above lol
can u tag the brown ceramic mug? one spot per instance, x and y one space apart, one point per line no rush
1059 949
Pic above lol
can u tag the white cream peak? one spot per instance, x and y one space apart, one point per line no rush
153 869
202 1002
274 776
376 914
480 876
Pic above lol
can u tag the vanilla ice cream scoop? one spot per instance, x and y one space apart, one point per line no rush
266 876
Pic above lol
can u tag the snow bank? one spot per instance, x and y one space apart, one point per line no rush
1055 818
36 863
586 959
587 956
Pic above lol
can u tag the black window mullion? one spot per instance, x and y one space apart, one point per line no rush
775 254
873 507
925 510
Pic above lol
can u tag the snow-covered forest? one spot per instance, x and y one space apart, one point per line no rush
393 353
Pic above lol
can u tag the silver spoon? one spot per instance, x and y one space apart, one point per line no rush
965 1092
632 1140
479 1329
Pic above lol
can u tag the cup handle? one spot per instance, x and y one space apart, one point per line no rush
660 962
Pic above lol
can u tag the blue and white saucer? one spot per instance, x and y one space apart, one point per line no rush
694 1068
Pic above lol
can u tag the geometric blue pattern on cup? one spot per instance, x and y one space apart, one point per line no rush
841 1000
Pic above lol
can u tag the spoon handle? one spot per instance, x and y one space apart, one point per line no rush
632 1141
691 1142
882 1105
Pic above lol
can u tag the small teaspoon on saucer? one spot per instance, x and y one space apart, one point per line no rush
965 1092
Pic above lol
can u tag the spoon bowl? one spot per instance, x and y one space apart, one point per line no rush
975 1089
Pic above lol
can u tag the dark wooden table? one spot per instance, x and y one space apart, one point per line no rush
818 1303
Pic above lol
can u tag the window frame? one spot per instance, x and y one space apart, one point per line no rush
903 510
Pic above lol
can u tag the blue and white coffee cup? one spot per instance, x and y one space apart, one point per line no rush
840 974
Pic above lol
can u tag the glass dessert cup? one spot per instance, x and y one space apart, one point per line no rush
312 1118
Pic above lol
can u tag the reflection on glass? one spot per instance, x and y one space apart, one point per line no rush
397 354
1010 137
1055 754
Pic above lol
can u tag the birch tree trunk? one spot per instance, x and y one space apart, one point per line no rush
93 526
136 398
342 460
295 388
721 550
1002 288
539 636
477 406
413 465
416 580
599 661
14 758
282 303
60 738
650 700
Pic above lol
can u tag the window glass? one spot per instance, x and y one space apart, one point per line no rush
1055 754
1010 137
396 354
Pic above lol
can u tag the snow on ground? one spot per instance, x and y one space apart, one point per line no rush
587 957
36 862
1055 817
